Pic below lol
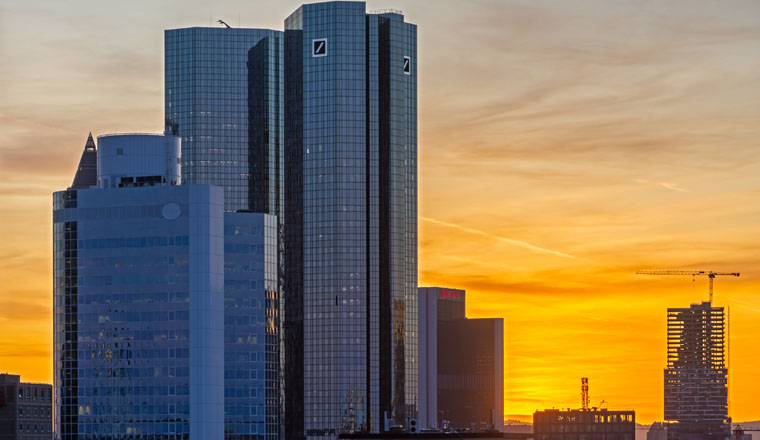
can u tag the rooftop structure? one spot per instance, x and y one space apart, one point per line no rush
87 171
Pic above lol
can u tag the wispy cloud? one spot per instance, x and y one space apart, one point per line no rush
519 243
669 185
672 186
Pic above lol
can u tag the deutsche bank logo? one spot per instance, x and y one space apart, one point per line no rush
407 66
319 47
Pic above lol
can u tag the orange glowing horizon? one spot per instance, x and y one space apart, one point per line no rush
563 147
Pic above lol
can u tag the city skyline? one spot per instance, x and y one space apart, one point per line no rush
602 144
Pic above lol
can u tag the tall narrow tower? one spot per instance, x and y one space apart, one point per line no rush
223 97
696 378
351 220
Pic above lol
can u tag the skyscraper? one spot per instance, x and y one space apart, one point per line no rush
696 378
165 306
223 97
251 327
350 309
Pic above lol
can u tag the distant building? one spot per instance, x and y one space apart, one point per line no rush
740 434
696 377
576 424
165 306
25 409
437 436
658 431
461 364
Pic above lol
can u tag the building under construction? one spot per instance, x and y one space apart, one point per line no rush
696 378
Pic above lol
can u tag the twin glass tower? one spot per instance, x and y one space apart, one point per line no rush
316 125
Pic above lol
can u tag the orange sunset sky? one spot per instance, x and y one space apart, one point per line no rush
563 146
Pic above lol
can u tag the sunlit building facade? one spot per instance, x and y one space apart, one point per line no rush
350 306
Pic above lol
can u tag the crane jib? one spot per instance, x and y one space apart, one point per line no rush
710 274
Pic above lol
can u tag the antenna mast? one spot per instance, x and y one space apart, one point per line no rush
584 394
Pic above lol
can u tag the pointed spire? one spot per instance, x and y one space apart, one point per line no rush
90 144
87 171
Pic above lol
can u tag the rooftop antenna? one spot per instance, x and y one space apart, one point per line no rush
222 22
584 394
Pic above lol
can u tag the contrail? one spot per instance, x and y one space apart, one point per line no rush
519 243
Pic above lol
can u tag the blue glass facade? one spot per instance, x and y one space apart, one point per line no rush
161 327
351 220
138 318
223 97
251 327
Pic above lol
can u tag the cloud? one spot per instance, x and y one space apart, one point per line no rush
24 351
511 241
672 186
24 310
668 185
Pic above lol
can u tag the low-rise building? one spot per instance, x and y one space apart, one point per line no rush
578 424
25 409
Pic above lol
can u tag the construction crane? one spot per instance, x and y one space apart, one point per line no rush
584 394
710 274
222 22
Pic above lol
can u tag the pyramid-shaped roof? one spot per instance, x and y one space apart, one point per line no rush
87 171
